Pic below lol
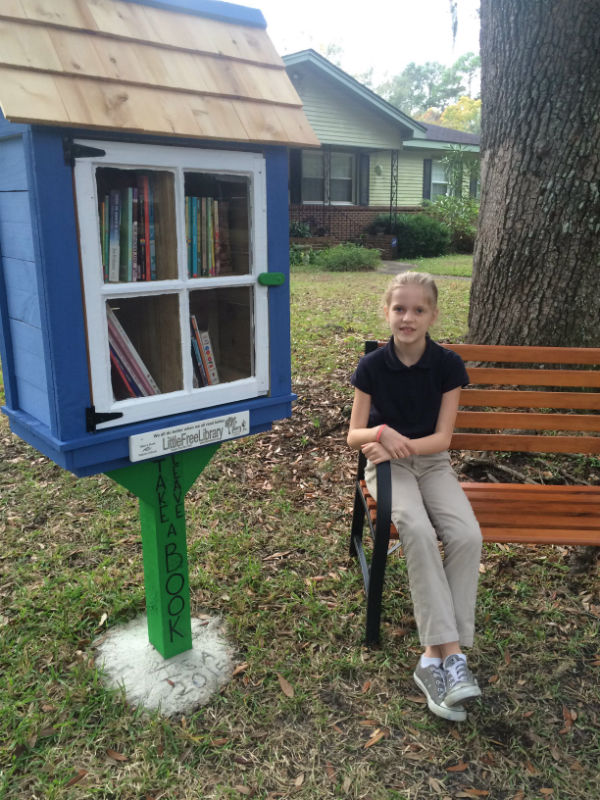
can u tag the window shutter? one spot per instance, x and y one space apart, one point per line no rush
363 179
426 179
295 177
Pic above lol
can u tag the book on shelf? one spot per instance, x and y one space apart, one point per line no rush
114 215
129 231
203 236
204 356
124 385
127 355
126 232
134 234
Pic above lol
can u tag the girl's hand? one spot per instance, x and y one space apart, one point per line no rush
397 446
375 452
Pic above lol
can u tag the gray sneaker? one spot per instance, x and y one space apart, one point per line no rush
460 683
432 682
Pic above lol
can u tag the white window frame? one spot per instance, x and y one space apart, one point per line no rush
178 161
326 178
437 172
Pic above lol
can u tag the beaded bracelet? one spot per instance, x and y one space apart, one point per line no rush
380 431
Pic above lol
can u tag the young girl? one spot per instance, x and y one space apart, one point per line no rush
405 405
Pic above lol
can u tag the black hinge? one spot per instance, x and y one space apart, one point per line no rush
93 418
73 150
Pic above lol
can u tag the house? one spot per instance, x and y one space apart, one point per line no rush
373 158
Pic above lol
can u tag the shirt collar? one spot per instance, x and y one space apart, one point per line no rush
393 362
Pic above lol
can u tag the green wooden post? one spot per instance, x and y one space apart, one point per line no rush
161 487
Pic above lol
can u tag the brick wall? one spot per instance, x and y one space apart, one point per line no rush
330 225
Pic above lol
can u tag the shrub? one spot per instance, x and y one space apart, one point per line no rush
417 234
300 230
420 235
301 255
347 258
459 214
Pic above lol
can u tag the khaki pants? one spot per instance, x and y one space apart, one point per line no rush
428 505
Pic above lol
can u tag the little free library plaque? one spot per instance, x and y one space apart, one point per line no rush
155 444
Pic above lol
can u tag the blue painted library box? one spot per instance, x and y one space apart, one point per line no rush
144 274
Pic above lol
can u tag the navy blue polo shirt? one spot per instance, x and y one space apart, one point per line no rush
409 398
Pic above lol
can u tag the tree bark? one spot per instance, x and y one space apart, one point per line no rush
537 254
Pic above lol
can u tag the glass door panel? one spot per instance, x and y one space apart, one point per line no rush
145 345
221 327
217 218
138 236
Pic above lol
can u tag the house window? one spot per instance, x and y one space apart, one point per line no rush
342 178
328 177
313 179
439 182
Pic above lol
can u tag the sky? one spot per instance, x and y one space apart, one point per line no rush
385 35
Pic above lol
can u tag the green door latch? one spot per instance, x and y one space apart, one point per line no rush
271 278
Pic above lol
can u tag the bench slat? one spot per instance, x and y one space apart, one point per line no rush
514 398
527 355
491 490
513 420
535 377
497 518
585 445
571 536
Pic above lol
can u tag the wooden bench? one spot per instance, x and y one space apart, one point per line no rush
520 399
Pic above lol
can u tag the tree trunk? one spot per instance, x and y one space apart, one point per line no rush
537 255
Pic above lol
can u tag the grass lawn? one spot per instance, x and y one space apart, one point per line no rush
268 525
456 264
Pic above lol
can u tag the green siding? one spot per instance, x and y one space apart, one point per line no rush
410 179
339 119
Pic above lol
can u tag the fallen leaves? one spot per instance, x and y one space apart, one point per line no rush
569 718
76 778
115 756
286 686
460 767
376 736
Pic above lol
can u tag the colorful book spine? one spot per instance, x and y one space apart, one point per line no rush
127 235
206 352
128 354
200 237
194 204
198 363
134 235
144 183
188 235
114 236
129 385
216 238
152 229
209 238
141 236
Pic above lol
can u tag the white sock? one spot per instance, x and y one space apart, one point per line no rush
462 657
430 662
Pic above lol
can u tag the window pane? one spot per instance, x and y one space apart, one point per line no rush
438 188
437 172
312 190
221 326
312 165
216 223
136 211
341 191
145 345
342 165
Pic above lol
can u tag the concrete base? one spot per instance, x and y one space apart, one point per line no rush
175 686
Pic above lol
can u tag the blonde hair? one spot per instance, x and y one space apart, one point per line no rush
422 279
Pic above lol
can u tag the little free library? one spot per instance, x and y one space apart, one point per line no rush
144 280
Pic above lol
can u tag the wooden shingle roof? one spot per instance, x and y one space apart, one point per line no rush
147 67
